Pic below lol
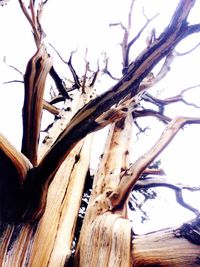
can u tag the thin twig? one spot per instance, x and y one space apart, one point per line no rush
178 189
188 52
13 67
13 81
130 44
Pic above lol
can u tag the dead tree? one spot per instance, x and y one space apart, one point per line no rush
42 187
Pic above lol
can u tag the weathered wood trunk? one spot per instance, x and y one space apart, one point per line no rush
105 238
41 234
47 242
164 248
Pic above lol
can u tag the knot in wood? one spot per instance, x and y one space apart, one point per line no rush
114 195
108 193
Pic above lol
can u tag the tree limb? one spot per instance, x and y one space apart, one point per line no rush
85 120
174 99
59 83
160 182
34 81
118 197
47 106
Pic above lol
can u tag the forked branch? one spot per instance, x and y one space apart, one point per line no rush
129 179
86 120
34 20
178 189
34 81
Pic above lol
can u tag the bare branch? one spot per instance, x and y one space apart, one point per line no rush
34 81
85 74
124 43
130 44
150 112
149 171
77 84
119 196
141 130
150 80
59 83
33 22
62 59
13 81
47 106
105 69
118 24
13 67
178 98
130 14
56 99
85 121
94 78
188 52
178 188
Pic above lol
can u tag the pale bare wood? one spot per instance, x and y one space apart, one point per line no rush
21 163
17 253
34 82
106 242
105 237
70 207
49 224
56 228
60 124
130 178
112 230
58 223
52 109
115 156
162 247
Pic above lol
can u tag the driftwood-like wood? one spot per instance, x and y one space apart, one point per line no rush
86 120
164 248
57 226
34 80
105 236
41 189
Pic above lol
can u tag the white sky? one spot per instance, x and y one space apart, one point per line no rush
80 24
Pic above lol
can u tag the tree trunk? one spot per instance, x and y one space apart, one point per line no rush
48 241
164 248
106 237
